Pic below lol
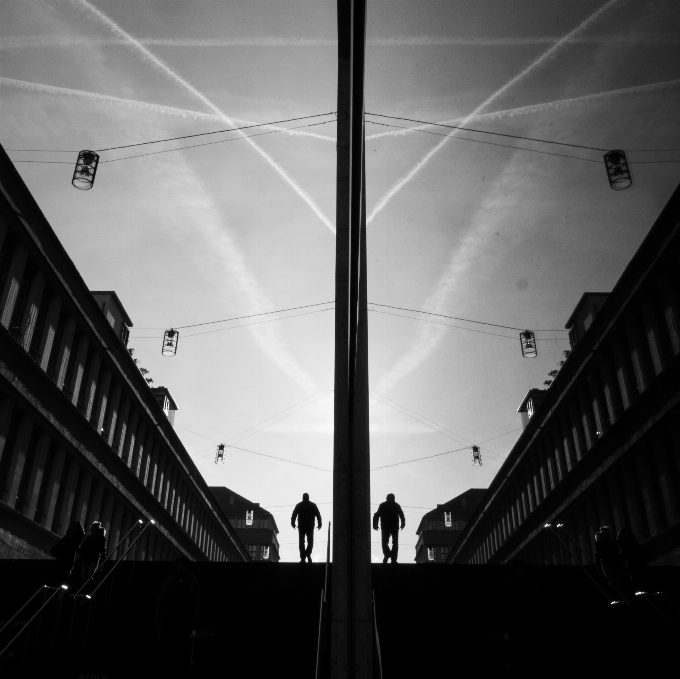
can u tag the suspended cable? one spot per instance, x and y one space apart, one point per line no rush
489 143
233 327
210 143
498 134
460 327
280 459
458 436
501 435
417 459
261 425
455 318
186 136
240 318
205 134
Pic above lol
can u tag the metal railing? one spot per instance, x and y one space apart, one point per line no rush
323 608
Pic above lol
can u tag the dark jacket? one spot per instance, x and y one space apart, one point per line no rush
305 512
178 602
389 514
93 547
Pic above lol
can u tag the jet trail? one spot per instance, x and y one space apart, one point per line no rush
154 108
162 66
428 339
538 108
547 55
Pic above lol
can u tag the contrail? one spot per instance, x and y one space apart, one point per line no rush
538 108
153 59
548 54
191 210
153 108
427 339
38 41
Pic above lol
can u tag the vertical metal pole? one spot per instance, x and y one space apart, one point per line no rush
351 620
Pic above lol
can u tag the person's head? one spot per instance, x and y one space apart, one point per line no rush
76 529
182 565
95 528
603 534
390 497
305 497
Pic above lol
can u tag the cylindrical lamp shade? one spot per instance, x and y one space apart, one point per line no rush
527 341
618 171
476 456
86 169
170 342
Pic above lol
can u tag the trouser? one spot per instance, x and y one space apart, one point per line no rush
394 533
309 533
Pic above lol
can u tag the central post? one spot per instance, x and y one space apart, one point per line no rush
351 617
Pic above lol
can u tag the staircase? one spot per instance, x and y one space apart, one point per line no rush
261 620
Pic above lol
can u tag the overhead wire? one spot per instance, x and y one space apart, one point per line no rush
456 318
233 327
460 327
495 456
211 143
240 318
488 143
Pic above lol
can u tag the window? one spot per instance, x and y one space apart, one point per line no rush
430 554
252 550
249 516
447 519
443 553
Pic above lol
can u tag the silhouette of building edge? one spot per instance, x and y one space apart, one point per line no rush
601 445
255 526
439 529
82 434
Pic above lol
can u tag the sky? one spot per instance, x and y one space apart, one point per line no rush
455 227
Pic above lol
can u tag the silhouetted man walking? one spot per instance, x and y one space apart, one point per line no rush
305 512
389 513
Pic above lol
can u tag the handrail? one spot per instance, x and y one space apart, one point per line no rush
377 640
324 594
35 615
106 558
11 620
118 561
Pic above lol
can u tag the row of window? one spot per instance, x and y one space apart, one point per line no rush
432 554
40 322
250 522
643 493
631 357
447 524
258 552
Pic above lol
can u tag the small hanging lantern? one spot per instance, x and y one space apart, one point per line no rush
527 340
170 341
86 169
447 519
618 171
250 513
430 554
219 454
265 552
476 456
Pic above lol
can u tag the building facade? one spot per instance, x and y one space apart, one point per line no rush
254 525
439 530
82 434
600 446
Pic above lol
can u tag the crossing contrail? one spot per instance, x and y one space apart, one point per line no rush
542 59
162 66
39 41
538 108
428 338
152 108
